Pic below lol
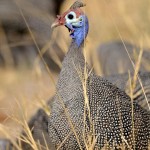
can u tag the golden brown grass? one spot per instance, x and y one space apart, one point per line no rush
109 20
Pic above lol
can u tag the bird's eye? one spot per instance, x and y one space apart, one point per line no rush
70 16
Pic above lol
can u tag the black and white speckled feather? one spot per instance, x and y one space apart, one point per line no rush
110 108
122 81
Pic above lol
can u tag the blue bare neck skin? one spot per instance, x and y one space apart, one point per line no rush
81 32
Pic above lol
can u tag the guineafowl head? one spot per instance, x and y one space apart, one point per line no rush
76 21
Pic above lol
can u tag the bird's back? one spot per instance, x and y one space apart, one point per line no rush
116 117
122 81
114 59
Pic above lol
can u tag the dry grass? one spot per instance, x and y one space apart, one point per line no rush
112 20
21 91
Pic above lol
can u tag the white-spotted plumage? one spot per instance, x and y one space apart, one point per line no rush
114 120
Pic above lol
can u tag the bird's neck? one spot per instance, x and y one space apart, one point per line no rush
80 33
71 72
71 75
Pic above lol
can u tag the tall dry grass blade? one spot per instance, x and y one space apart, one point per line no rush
33 38
64 141
5 130
30 8
137 68
91 139
132 86
20 43
4 48
61 101
27 137
46 146
42 103
128 54
48 46
126 142
69 120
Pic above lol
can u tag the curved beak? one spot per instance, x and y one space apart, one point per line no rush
55 24
58 22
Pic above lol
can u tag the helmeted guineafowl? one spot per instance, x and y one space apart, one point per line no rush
114 59
39 122
38 125
110 108
96 108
